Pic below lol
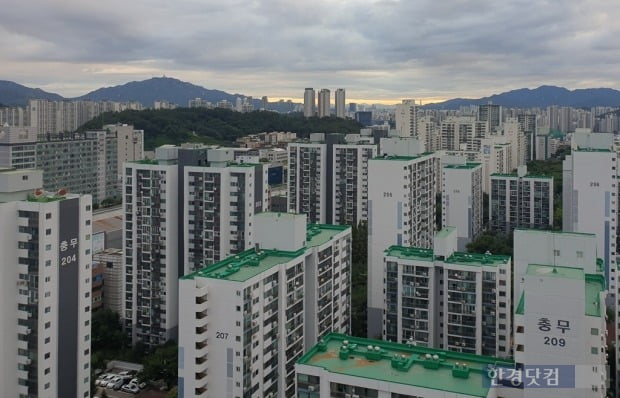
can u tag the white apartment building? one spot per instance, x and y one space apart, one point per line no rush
130 143
340 103
520 201
445 299
347 366
307 185
406 117
111 260
428 133
560 320
401 211
462 133
350 182
220 204
245 321
45 289
17 147
150 239
309 102
461 200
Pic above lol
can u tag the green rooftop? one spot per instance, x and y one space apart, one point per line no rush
586 149
402 158
477 259
45 198
594 285
406 364
410 253
462 166
146 161
245 265
514 175
318 234
444 232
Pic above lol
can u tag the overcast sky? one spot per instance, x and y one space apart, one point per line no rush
378 50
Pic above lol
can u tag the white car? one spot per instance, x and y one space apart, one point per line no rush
113 381
131 388
103 379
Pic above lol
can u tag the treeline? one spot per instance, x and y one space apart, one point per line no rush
217 126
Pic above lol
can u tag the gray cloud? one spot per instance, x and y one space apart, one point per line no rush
379 49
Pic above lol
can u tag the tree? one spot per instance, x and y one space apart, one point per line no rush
173 393
493 242
162 364
359 279
107 331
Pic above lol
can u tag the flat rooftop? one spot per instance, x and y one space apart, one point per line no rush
318 234
406 364
402 158
245 265
532 176
462 166
460 258
594 286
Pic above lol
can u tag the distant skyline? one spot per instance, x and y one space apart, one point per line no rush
380 51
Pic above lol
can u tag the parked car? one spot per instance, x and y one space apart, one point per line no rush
131 388
113 381
118 384
103 379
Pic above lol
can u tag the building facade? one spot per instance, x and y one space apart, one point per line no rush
461 200
309 102
45 289
401 211
111 262
520 201
17 147
340 103
324 108
445 299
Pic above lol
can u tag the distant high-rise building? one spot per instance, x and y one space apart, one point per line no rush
130 143
264 103
352 107
492 114
45 289
324 103
407 118
17 147
309 102
340 103
364 117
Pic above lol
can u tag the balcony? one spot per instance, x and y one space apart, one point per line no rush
201 392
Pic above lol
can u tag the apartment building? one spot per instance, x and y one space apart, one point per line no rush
45 289
462 133
220 204
560 319
246 320
406 118
85 163
461 199
130 143
327 178
401 211
17 147
520 201
350 182
346 366
442 298
150 239
111 262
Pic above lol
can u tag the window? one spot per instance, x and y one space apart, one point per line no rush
594 350
48 263
594 331
47 371
48 247
47 355
48 325
47 310
47 340
48 231
48 216
556 252
579 254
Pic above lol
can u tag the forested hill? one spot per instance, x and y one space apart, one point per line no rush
223 126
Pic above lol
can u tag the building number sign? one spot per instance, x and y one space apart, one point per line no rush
545 325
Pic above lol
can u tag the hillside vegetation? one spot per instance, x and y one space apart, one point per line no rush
217 126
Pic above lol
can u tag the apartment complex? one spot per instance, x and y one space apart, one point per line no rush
401 211
345 366
520 201
446 299
461 200
130 143
45 289
246 320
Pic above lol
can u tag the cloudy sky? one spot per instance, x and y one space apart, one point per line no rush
379 50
